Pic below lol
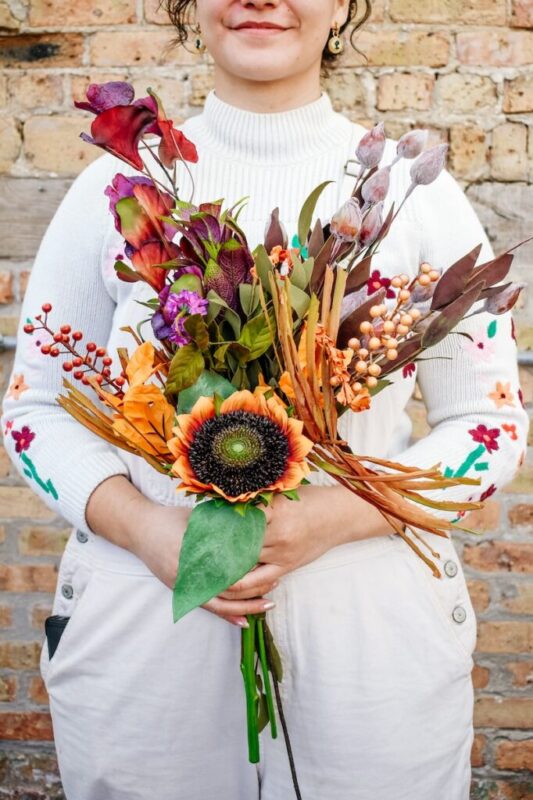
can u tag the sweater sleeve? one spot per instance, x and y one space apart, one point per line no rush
470 388
60 459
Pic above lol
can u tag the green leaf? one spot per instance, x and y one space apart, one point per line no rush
301 273
216 303
256 336
219 547
300 301
308 209
491 330
263 265
208 384
185 369
120 266
277 669
197 330
249 298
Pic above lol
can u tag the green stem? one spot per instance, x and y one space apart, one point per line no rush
266 676
469 460
248 674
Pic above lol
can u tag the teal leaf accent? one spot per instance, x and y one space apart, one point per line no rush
491 328
482 466
220 545
304 253
207 385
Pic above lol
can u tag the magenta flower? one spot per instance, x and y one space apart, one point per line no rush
488 492
376 282
23 438
409 369
168 322
486 436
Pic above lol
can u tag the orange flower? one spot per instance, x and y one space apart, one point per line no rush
511 430
282 259
502 394
17 387
250 446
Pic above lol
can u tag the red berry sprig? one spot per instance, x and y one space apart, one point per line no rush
81 364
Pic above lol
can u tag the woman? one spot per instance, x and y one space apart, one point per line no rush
377 653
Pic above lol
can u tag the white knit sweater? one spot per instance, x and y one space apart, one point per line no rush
275 159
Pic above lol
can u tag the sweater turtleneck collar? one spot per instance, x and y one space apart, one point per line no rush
279 136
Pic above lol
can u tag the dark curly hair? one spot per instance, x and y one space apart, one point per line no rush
179 10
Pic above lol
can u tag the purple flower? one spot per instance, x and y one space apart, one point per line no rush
169 321
120 188
102 96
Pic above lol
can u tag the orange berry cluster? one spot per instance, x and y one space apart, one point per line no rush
65 336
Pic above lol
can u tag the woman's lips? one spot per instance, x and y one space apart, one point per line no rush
259 31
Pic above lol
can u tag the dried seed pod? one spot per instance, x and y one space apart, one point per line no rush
411 144
372 224
428 165
346 223
371 146
375 189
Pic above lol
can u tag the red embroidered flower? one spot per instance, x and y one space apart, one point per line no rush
408 369
486 436
511 430
376 282
487 493
23 438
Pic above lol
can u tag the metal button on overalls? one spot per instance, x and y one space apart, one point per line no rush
82 537
450 568
459 614
67 591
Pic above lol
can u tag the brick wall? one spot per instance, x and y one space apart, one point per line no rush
463 69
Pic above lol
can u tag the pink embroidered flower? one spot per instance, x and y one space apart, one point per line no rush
9 425
511 430
38 338
23 438
502 394
17 387
488 492
486 436
480 347
376 282
409 369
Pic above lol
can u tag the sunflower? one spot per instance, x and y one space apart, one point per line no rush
248 446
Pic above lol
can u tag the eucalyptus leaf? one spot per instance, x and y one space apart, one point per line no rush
208 384
263 265
219 546
300 300
308 209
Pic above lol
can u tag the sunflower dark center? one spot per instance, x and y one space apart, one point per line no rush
239 452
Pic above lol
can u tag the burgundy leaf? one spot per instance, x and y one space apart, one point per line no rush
451 315
454 280
350 326
275 233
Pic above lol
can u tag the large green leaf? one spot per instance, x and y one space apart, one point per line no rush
222 543
263 266
301 273
299 300
256 336
185 368
249 298
207 385
216 303
308 209
197 330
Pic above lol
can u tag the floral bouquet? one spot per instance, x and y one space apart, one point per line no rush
254 355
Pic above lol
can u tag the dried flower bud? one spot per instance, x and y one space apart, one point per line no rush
371 226
411 144
346 223
375 189
504 300
371 146
428 166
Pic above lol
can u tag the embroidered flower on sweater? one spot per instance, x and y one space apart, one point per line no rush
480 346
488 492
502 394
486 436
23 438
510 428
17 387
376 282
409 369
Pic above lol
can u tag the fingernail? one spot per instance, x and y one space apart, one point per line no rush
243 623
268 605
276 583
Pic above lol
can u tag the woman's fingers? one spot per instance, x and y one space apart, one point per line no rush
257 590
237 608
262 575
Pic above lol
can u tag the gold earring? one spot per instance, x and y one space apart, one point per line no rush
199 45
335 43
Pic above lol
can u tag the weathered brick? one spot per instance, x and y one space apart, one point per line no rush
32 50
403 90
479 594
477 757
6 283
26 726
56 13
495 48
346 91
521 515
486 518
5 463
156 14
522 482
39 614
521 14
53 144
35 90
463 94
518 95
514 755
519 599
22 503
8 689
23 283
19 655
8 21
500 556
468 151
492 12
42 541
480 676
507 712
3 91
11 143
136 48
6 617
490 789
37 691
522 673
398 48
28 577
505 637
171 92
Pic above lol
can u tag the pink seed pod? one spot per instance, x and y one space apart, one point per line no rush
375 189
345 223
428 165
371 146
371 226
412 143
